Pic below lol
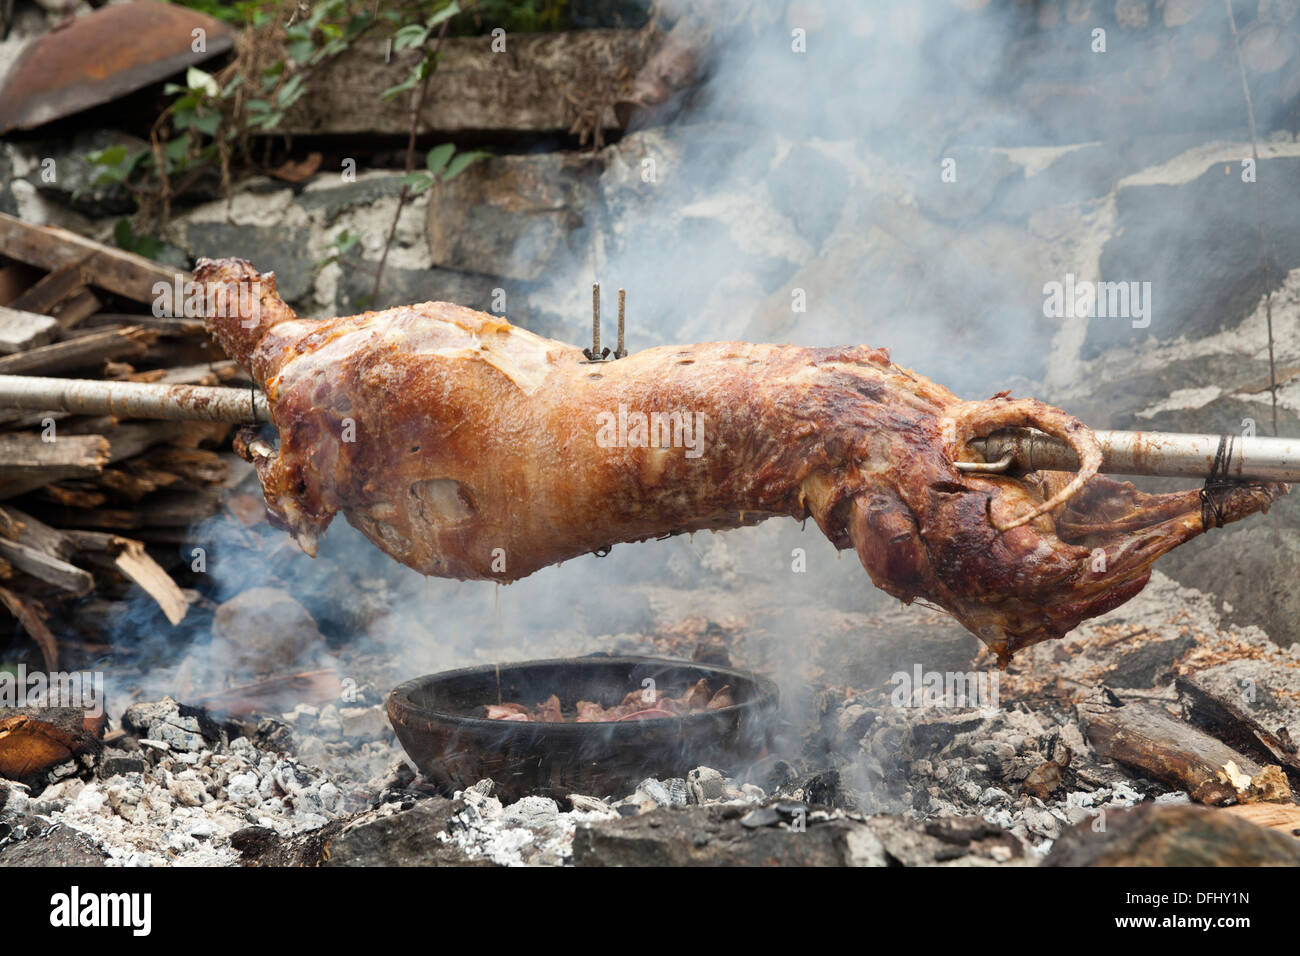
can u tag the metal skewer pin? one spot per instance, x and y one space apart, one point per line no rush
596 353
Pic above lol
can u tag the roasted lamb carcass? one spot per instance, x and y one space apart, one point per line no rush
466 447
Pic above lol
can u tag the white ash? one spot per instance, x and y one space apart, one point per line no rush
533 831
182 809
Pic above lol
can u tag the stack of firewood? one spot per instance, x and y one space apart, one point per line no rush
91 507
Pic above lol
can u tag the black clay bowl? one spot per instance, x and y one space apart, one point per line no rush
438 718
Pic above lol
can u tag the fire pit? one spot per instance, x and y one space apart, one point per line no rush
439 720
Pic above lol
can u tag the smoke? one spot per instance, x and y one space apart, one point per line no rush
895 174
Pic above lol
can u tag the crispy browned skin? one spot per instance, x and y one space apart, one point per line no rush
466 447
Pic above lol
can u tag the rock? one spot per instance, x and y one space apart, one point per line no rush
884 253
1201 282
46 845
1149 661
704 784
324 193
715 836
405 838
73 183
405 286
262 632
368 722
1188 835
8 202
961 841
805 187
980 175
279 249
511 216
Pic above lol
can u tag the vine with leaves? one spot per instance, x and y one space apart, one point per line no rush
211 125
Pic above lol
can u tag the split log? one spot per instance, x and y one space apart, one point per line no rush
1276 816
1172 751
132 560
20 331
78 308
45 567
31 616
80 352
124 441
42 552
22 456
35 739
276 694
52 248
1251 704
60 285
164 324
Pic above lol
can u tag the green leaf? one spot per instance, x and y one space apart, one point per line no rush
446 13
177 148
300 51
111 156
409 36
196 79
123 235
257 106
290 92
207 122
407 84
418 182
463 161
438 157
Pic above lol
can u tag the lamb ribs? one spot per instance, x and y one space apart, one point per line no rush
465 447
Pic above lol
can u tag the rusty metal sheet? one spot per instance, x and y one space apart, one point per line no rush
97 58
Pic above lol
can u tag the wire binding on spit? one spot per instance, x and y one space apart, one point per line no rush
1216 483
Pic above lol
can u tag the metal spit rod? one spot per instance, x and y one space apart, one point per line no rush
1167 454
193 403
1123 453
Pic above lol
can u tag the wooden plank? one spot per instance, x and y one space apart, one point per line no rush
1170 750
80 352
60 285
22 456
115 270
20 331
